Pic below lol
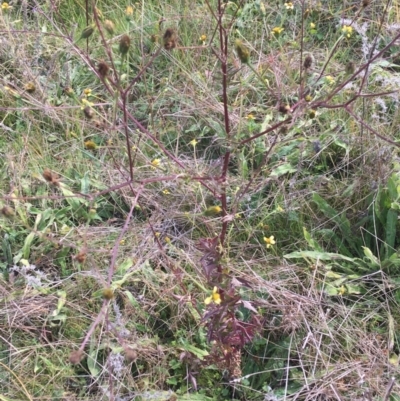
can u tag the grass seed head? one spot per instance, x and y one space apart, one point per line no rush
169 39
124 44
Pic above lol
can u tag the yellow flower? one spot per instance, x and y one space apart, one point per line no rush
312 25
166 192
214 297
167 240
250 117
213 211
129 11
289 6
87 92
308 98
193 143
270 241
347 31
202 38
329 80
156 163
86 103
277 30
90 145
5 6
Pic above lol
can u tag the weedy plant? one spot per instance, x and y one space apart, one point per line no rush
163 165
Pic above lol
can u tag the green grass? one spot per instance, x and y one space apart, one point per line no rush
125 207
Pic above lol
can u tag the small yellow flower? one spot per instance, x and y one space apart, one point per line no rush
250 117
157 234
129 11
156 163
202 38
213 211
289 6
193 142
90 145
5 6
87 92
269 241
312 25
277 30
213 298
279 209
308 98
86 103
167 240
329 80
166 192
347 31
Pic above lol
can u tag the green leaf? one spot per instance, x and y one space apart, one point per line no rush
282 170
391 222
26 249
317 255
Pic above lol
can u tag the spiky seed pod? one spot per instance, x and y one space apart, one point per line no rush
75 357
103 69
30 87
88 112
169 39
350 68
242 51
284 108
124 44
7 211
88 31
109 26
308 62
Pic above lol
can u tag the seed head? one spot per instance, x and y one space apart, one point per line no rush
284 108
169 39
88 31
124 44
90 145
242 51
30 87
50 177
103 69
350 68
81 256
109 26
308 62
88 112
108 293
7 211
75 357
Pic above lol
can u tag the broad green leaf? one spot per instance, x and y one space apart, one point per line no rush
282 170
317 255
26 249
371 257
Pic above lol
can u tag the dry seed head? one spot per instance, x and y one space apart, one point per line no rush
284 109
365 3
69 91
51 177
109 26
350 68
7 211
30 87
169 39
242 51
308 62
75 357
130 354
312 113
90 145
124 44
103 69
81 257
88 112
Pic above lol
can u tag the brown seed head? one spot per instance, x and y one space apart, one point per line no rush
350 68
51 177
124 44
169 39
365 3
284 108
130 354
75 357
7 211
103 69
308 62
108 293
88 112
81 256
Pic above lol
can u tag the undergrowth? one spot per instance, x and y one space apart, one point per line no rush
199 200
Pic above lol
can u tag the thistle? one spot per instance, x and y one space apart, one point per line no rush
124 44
103 69
88 31
242 51
169 39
